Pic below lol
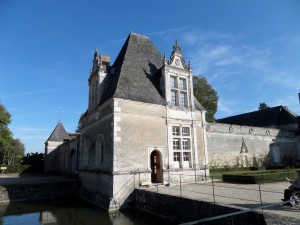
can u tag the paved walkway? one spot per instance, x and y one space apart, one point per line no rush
243 196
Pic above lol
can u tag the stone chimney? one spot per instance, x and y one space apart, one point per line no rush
105 59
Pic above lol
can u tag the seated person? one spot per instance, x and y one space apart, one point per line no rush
295 185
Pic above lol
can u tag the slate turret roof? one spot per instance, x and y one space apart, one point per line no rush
270 117
59 133
135 72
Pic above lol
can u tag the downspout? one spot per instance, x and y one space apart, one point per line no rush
204 143
168 150
192 106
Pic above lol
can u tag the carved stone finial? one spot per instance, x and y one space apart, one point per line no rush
189 65
165 59
96 53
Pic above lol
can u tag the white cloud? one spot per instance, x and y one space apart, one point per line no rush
198 37
33 129
42 91
227 107
171 30
283 78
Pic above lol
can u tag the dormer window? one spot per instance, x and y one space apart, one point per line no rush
183 101
182 84
172 82
178 91
176 82
173 98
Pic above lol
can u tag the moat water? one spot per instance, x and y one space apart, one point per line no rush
70 212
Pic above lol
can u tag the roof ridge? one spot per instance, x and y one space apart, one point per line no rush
140 35
56 133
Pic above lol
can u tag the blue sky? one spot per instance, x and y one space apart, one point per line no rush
248 50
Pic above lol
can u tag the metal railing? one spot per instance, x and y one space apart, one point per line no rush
231 215
216 191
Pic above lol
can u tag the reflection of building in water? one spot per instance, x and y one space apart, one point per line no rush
47 218
3 208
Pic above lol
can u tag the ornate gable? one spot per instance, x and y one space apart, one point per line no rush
177 59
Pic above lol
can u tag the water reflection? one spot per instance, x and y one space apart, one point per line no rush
70 212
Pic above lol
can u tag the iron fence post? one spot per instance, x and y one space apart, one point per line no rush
262 210
213 187
180 185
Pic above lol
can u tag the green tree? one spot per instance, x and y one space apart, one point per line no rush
206 95
263 106
5 133
14 152
11 150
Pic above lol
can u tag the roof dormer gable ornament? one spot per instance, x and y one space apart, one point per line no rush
176 58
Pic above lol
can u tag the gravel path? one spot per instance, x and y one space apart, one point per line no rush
243 196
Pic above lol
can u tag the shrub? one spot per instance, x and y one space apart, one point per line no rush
256 177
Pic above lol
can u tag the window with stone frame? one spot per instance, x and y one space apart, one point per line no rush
176 156
176 144
176 131
185 131
186 156
185 144
173 82
182 84
173 98
181 146
183 99
178 91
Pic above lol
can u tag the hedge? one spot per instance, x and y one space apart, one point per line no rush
234 169
23 169
17 168
256 177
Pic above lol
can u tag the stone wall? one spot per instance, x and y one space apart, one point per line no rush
38 191
225 141
181 210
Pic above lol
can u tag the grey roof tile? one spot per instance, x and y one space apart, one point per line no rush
133 75
59 133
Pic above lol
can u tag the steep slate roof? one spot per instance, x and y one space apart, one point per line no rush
274 116
59 133
134 73
198 105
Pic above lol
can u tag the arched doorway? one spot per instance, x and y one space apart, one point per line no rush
156 167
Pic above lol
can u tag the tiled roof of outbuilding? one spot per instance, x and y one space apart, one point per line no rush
269 117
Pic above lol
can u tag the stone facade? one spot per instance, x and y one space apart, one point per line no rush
142 118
